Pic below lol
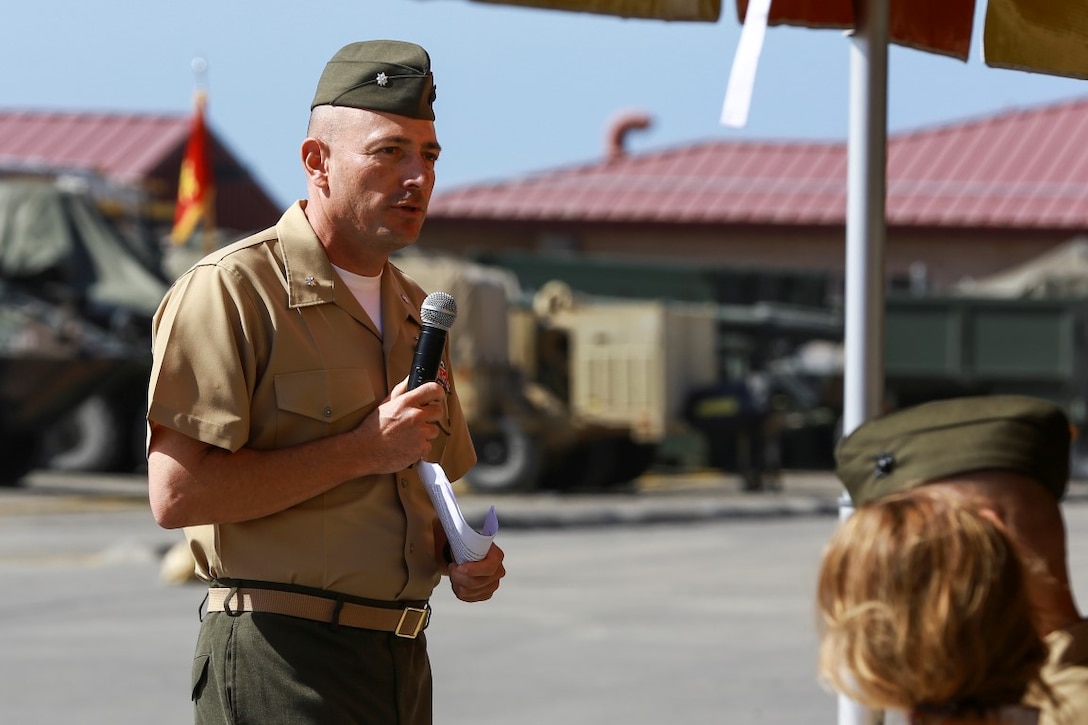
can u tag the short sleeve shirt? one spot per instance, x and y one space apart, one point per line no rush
1066 674
262 345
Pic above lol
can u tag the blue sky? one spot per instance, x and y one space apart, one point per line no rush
519 90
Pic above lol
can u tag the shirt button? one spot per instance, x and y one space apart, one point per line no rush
411 548
327 411
404 483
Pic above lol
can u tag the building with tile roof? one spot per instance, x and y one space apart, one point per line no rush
131 160
964 199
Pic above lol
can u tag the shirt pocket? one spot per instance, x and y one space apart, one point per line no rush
315 403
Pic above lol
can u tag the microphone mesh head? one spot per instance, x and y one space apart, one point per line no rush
439 310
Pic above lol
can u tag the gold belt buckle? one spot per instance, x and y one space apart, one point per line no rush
411 632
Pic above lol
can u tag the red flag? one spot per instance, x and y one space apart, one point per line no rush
196 184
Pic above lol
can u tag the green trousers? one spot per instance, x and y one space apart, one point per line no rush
270 669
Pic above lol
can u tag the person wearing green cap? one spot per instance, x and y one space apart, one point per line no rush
1007 457
284 438
923 609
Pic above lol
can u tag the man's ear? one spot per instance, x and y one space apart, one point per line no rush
314 162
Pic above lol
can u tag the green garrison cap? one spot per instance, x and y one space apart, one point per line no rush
379 75
948 437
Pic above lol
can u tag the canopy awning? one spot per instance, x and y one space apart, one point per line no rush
1041 37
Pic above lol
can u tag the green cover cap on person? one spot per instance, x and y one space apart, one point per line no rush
379 75
950 437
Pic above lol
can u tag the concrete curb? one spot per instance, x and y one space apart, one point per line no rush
654 499
573 511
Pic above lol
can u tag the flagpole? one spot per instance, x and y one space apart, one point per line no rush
200 72
866 226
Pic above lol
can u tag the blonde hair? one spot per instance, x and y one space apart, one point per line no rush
922 604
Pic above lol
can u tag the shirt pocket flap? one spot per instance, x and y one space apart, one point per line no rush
326 395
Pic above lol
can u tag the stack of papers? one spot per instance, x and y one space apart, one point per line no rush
466 543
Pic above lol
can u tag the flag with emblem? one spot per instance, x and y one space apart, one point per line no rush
196 183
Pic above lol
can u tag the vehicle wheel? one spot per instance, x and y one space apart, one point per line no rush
91 438
508 459
18 453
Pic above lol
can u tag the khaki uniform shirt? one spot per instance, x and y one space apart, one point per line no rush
1066 674
262 345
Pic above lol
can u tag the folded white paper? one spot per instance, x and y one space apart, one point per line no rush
466 543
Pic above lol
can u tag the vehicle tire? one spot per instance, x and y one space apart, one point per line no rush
508 459
94 437
18 454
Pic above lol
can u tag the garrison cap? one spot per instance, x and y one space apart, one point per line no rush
379 75
945 438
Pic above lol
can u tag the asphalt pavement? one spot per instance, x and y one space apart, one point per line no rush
682 598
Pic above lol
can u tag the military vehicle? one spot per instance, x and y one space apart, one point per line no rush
60 252
1024 331
51 361
763 407
562 392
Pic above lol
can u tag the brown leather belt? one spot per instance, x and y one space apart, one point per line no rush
405 622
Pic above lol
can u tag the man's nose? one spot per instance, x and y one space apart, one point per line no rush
418 174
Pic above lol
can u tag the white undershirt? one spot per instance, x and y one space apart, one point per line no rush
368 290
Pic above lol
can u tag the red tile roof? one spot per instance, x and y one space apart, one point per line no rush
127 147
1023 168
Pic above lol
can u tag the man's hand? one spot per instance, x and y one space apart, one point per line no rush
476 581
399 431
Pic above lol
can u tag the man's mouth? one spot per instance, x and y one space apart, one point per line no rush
411 205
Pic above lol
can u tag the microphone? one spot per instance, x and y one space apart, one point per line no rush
437 312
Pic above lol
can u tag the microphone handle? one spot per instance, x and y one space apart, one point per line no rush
428 356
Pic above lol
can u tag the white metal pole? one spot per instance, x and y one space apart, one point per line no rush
863 371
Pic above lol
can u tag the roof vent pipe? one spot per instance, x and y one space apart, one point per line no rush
622 124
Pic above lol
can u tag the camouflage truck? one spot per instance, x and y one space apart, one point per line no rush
60 252
565 393
51 362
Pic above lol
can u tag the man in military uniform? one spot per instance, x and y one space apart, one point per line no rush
284 438
1007 457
